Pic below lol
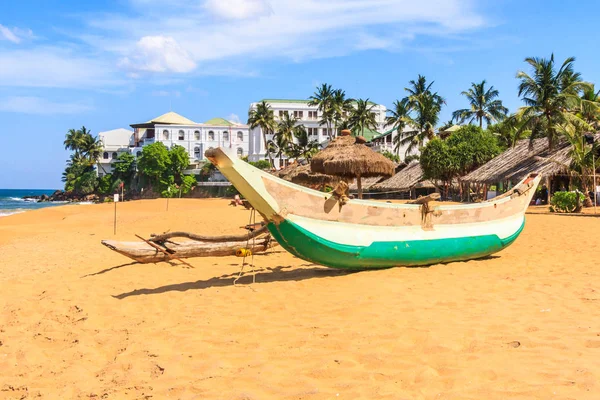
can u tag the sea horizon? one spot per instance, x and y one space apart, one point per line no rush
12 201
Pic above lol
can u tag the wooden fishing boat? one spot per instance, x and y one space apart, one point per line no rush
359 234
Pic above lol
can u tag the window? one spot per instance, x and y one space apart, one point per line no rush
211 135
282 113
165 135
138 154
114 155
240 152
240 136
196 135
197 152
181 135
105 155
298 114
312 115
225 136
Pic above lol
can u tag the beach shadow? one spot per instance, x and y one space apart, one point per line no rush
266 275
110 269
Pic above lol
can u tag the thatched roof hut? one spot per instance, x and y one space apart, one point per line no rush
515 163
302 175
349 157
407 179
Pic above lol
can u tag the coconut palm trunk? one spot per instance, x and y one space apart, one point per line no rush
266 149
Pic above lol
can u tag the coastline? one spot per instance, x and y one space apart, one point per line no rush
79 320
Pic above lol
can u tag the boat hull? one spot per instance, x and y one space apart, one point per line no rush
363 234
385 254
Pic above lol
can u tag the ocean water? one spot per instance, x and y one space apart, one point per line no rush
11 200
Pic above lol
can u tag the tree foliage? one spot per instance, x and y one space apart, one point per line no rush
261 164
420 109
465 150
362 117
471 147
179 160
550 96
394 157
79 175
124 168
484 105
154 161
264 118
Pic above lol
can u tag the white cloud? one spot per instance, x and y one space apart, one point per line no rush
234 31
54 67
15 35
238 9
40 106
233 118
228 38
159 54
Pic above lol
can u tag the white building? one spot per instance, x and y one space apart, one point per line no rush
309 116
173 129
114 142
385 142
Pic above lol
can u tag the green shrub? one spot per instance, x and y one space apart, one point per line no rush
565 202
261 164
105 184
390 156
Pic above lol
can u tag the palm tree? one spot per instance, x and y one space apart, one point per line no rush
484 105
424 113
508 132
304 147
90 147
323 99
362 117
279 147
549 96
590 106
285 128
73 140
582 155
342 107
397 120
264 118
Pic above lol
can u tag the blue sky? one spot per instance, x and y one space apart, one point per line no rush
108 64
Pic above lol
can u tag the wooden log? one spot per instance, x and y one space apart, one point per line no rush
426 199
168 254
145 253
201 238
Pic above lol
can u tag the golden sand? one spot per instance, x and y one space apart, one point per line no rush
78 321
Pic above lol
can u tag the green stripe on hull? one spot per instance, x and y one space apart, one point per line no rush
313 248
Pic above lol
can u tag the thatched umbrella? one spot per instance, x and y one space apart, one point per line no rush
302 175
348 157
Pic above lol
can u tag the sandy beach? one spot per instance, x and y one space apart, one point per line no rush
78 321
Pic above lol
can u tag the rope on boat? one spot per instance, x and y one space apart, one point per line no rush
245 252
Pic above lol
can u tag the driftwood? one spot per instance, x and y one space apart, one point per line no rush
145 252
226 238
